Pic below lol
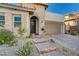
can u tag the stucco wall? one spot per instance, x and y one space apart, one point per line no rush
52 27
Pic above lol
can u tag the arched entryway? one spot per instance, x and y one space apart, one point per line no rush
34 25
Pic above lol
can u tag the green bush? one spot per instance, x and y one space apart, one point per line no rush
21 31
6 36
77 30
73 32
13 42
26 49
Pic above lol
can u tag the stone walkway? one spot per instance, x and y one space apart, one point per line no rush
6 50
46 48
69 42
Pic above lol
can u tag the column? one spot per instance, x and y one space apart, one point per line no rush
8 21
62 28
41 25
25 23
28 25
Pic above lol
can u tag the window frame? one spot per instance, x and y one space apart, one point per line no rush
2 20
15 22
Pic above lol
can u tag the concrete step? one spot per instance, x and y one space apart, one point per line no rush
40 40
54 53
45 47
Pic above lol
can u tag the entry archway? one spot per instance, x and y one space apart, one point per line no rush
34 25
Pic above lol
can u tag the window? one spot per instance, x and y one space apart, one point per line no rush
2 20
17 21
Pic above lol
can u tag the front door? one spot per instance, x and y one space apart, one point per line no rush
33 26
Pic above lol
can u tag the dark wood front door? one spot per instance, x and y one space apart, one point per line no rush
33 26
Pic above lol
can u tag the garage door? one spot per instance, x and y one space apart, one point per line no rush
52 27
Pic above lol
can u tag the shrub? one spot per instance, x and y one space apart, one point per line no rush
73 32
77 30
13 42
6 36
21 31
26 49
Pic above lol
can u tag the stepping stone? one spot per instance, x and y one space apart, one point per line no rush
40 40
54 53
45 47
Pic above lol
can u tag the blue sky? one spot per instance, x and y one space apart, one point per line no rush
63 8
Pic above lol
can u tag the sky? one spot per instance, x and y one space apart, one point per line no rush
63 8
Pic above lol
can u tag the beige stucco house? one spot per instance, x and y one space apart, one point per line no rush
72 21
32 17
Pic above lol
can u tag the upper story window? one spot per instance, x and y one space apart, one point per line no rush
2 19
17 21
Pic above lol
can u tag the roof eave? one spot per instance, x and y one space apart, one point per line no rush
15 7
